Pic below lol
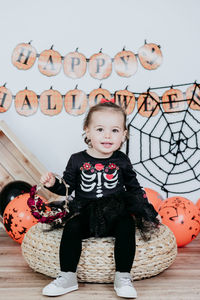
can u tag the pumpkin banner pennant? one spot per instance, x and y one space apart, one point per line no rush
5 98
75 64
150 56
76 101
26 102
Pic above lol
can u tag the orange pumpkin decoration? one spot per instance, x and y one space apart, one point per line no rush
24 56
5 99
75 64
126 100
75 102
17 217
51 102
125 63
173 101
96 95
100 66
148 104
150 56
50 62
193 96
26 102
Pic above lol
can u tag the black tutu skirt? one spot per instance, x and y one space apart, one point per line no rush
104 212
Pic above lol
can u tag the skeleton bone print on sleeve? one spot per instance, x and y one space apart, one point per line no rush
98 176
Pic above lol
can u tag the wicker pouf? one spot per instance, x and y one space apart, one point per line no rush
40 249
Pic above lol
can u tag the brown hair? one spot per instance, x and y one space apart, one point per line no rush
102 107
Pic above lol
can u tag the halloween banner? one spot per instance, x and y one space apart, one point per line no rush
75 102
75 64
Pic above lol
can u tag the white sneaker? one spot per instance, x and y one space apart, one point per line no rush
123 285
66 282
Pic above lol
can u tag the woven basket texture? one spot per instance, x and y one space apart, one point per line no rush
40 249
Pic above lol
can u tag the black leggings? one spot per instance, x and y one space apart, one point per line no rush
77 229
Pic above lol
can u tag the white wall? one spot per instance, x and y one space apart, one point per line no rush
91 25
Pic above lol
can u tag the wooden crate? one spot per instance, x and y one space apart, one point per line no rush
17 162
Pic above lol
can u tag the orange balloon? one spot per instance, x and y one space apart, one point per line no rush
154 198
181 216
17 217
198 203
198 206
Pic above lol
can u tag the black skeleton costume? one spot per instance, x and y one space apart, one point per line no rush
104 188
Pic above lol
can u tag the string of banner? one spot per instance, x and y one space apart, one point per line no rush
75 64
76 101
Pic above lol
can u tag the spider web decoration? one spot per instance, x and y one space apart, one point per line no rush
169 146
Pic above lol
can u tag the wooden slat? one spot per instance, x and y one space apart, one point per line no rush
24 162
14 167
5 177
181 281
19 145
17 162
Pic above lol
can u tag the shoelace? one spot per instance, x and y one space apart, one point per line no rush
59 281
126 281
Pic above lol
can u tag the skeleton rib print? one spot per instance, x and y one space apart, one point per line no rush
98 176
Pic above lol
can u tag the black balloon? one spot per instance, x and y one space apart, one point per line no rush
11 191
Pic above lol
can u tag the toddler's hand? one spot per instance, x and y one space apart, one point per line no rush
48 179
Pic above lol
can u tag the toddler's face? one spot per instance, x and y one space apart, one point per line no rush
106 132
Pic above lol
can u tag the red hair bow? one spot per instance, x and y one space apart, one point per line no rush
103 100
